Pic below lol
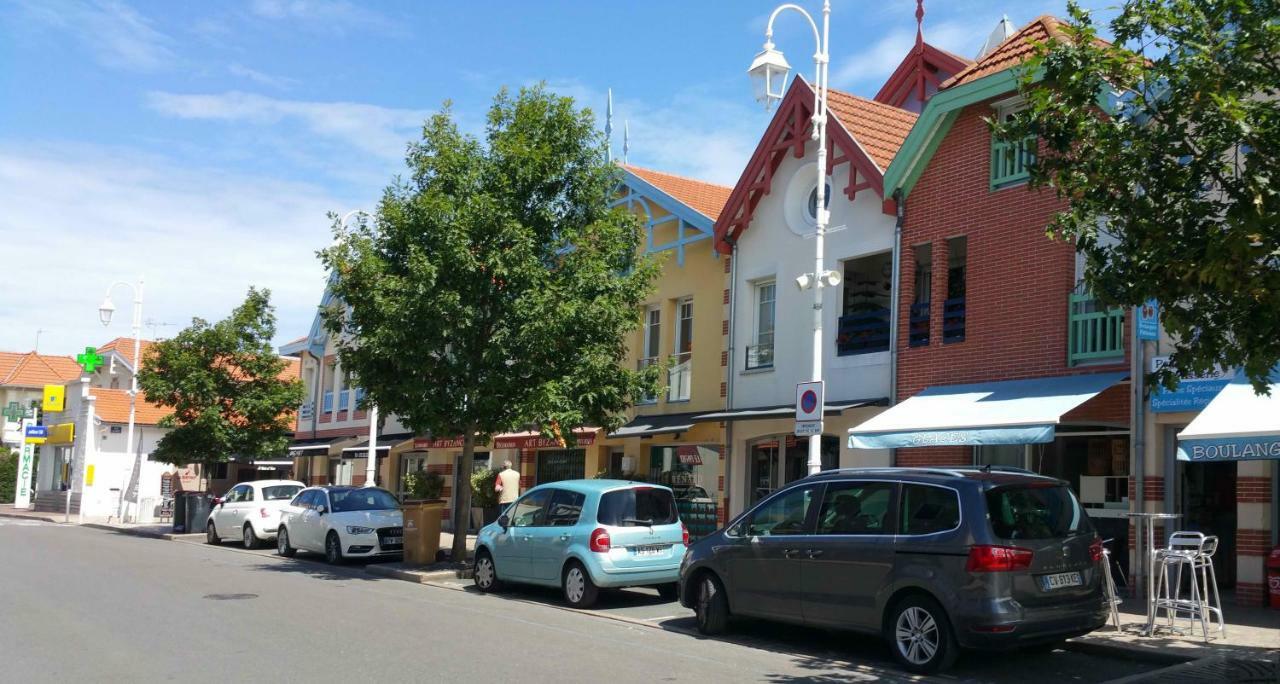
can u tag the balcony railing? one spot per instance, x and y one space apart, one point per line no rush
680 377
863 332
1011 161
918 328
760 355
327 403
953 319
641 365
1094 332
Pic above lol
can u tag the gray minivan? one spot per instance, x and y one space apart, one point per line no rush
933 559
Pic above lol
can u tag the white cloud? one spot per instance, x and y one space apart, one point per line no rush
78 218
381 131
118 36
261 78
322 16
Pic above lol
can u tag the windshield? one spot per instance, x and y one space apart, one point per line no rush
638 506
1036 512
280 492
363 499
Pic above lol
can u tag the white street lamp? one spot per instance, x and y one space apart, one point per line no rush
769 73
105 311
371 460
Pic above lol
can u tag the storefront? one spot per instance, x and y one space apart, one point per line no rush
351 466
312 456
765 454
545 459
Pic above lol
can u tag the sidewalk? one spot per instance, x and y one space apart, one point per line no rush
1252 633
8 511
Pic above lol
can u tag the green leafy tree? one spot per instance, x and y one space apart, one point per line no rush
8 474
495 288
1168 139
224 383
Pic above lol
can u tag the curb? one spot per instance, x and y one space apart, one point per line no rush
1100 647
20 516
411 576
170 536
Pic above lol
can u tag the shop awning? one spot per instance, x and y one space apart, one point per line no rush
273 464
1237 425
832 408
1007 412
313 447
385 442
534 440
644 426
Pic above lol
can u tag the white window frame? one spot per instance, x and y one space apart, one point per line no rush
758 288
680 378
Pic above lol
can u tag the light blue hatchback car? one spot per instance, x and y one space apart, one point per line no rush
584 535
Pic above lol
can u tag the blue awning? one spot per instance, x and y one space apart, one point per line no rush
1237 425
1007 412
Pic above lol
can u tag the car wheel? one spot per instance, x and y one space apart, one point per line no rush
579 590
669 592
333 549
920 636
211 534
712 605
282 544
486 574
251 540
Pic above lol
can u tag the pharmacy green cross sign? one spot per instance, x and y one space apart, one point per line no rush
14 412
89 360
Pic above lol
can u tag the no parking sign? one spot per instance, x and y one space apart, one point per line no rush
809 403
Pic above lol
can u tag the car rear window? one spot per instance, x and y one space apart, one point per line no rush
1036 512
642 506
280 492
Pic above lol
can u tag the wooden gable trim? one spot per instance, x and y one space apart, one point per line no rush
915 72
789 130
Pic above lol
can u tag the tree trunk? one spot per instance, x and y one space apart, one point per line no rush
462 497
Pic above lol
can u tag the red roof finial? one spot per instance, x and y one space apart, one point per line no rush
919 24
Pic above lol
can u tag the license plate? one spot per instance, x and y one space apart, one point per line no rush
1060 580
392 540
651 550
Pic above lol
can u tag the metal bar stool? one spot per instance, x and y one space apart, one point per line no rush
1113 598
1194 552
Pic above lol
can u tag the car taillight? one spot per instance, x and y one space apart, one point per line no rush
1095 550
263 513
600 540
684 533
988 558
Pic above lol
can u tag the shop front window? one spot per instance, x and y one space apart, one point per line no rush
564 464
778 460
409 463
693 474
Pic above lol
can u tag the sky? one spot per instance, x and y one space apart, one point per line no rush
200 146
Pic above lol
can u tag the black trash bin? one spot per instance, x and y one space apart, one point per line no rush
198 505
180 511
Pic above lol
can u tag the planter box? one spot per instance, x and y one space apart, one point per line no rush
422 531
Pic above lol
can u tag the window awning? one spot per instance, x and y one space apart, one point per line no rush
831 408
1237 425
313 447
1006 412
644 426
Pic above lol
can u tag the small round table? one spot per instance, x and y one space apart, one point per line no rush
1146 544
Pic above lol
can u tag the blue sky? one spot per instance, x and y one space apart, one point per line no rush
200 145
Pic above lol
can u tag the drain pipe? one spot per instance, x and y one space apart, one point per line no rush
729 371
895 298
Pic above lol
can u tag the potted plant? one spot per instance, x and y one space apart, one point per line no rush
423 511
484 498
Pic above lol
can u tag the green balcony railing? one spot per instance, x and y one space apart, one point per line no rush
1011 161
1094 332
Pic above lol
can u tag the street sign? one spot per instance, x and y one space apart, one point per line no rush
809 404
1193 393
36 431
26 464
1149 320
55 398
808 428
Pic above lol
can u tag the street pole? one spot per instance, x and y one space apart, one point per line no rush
371 468
772 59
104 313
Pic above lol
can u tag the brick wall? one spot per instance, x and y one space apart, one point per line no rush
1253 489
1017 285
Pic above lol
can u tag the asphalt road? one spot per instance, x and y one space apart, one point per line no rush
79 604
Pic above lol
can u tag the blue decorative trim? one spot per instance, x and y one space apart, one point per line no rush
691 226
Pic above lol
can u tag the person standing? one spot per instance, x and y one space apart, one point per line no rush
508 485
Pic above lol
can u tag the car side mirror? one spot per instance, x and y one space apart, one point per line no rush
320 510
504 522
218 501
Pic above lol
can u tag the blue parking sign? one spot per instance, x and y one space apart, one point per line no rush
1149 320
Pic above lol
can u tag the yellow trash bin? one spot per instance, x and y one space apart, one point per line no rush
422 531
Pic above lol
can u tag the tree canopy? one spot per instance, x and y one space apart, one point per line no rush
495 287
224 382
1166 142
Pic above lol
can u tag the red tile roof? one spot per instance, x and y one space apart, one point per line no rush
112 406
36 370
1012 52
293 371
703 197
124 347
878 127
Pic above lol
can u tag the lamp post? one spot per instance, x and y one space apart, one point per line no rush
105 312
769 73
371 457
